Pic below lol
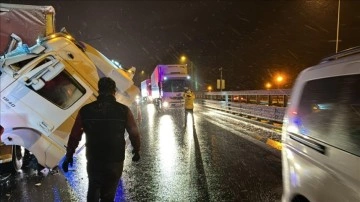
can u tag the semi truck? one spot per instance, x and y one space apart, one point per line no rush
168 83
146 91
42 88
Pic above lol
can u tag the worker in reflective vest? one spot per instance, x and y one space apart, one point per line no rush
189 98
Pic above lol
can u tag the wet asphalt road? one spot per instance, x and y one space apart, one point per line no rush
212 160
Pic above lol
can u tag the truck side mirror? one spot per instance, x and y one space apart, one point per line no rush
37 84
45 72
53 71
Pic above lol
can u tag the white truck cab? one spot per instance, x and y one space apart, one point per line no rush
167 86
43 87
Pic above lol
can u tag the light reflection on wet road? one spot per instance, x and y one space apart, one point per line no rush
210 161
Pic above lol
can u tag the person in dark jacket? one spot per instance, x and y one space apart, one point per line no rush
104 122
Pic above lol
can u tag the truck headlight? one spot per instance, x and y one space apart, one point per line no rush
165 104
137 99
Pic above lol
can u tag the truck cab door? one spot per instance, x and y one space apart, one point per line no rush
43 97
53 92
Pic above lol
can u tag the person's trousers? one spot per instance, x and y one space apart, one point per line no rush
192 115
103 180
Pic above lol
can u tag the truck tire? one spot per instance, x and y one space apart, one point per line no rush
158 105
17 157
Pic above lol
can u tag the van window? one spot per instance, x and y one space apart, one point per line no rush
329 111
63 90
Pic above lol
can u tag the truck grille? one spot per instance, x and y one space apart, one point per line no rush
176 98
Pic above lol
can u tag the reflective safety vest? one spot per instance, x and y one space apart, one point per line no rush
189 100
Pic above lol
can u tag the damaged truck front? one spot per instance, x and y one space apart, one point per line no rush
44 84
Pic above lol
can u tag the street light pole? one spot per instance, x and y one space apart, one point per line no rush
337 28
192 75
220 79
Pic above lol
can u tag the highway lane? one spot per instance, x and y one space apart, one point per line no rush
215 159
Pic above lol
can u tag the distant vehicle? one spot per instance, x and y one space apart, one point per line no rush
321 132
43 87
146 91
167 86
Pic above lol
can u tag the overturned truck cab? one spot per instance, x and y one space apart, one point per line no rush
43 87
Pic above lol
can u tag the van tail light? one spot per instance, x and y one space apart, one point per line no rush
1 130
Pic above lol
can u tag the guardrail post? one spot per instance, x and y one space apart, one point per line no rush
285 100
269 100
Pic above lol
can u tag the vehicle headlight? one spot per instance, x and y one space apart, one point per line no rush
137 99
165 104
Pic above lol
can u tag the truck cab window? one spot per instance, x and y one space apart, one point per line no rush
63 90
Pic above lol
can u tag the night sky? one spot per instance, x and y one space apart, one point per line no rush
251 40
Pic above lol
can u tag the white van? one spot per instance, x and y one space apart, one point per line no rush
321 132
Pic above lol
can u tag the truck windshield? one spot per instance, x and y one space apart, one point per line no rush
174 85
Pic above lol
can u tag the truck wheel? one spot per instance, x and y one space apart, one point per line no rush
17 157
158 105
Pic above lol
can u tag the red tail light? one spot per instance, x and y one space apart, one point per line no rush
1 130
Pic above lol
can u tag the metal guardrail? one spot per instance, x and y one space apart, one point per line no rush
270 113
267 105
247 92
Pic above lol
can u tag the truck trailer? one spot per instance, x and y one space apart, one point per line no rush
146 91
168 83
29 22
